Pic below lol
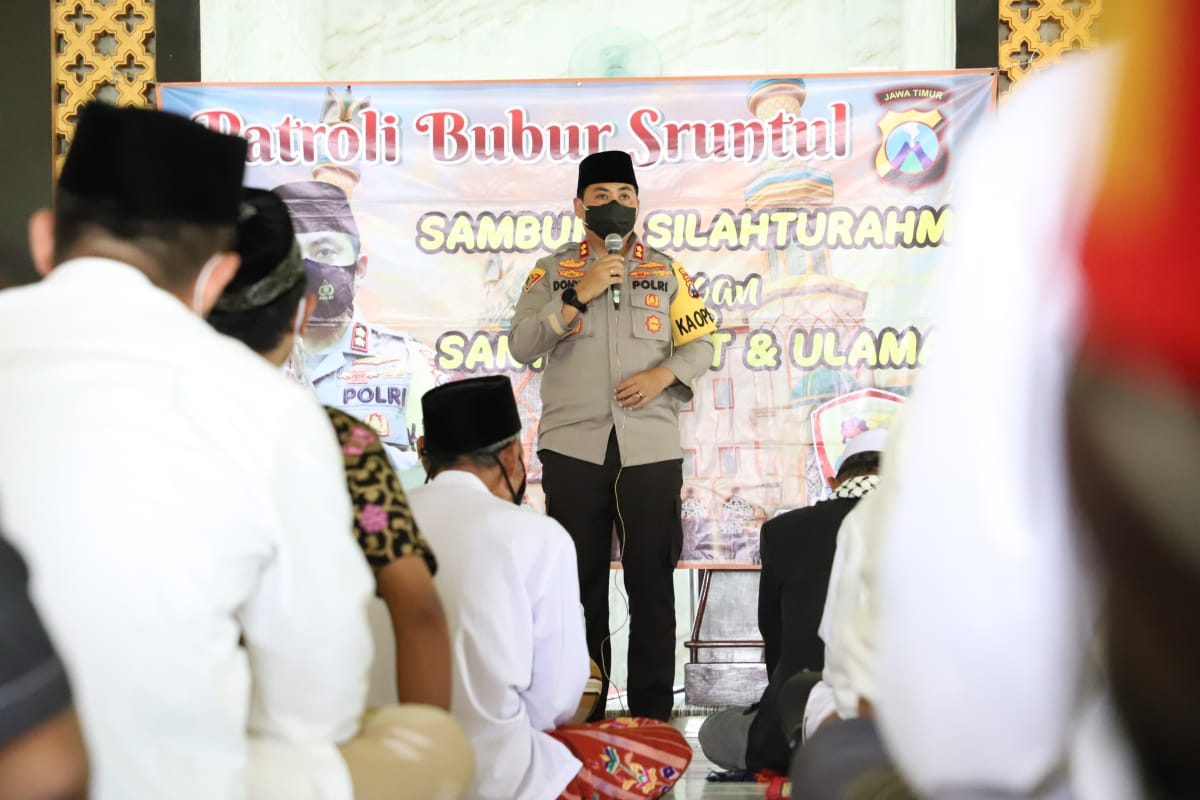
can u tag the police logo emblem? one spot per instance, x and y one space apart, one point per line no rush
687 281
326 291
378 423
909 143
534 276
652 300
912 152
653 323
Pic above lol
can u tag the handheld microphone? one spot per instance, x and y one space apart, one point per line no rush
612 243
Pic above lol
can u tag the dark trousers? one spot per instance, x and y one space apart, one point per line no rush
644 504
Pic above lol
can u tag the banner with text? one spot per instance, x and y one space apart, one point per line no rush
808 211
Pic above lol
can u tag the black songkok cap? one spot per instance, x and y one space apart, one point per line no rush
155 166
610 166
469 415
318 206
266 242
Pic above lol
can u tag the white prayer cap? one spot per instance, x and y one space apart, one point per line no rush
871 441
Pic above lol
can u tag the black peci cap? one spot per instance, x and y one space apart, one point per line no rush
318 206
469 415
609 166
155 166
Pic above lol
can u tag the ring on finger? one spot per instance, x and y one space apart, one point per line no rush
640 396
612 273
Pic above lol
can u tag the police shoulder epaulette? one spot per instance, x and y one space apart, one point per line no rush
656 261
654 254
381 332
548 261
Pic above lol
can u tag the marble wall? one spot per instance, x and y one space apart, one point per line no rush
365 40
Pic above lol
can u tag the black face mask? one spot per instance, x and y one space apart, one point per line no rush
334 288
519 494
612 217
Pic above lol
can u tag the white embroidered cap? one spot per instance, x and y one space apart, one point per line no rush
866 442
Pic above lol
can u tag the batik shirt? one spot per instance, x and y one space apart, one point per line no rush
383 523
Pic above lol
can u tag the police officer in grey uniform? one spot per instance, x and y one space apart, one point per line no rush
609 434
373 374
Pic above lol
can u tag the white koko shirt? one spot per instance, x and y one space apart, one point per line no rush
848 620
173 493
986 615
508 582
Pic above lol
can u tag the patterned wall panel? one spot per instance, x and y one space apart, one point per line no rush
1034 33
103 49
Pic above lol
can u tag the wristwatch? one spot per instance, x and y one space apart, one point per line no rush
571 298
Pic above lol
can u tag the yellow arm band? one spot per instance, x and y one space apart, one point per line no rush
690 319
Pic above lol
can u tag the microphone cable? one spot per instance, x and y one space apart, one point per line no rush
614 320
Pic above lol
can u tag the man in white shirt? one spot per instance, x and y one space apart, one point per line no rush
173 493
848 620
985 655
508 582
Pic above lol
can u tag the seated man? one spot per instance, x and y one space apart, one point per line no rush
797 557
182 506
509 585
41 751
265 307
